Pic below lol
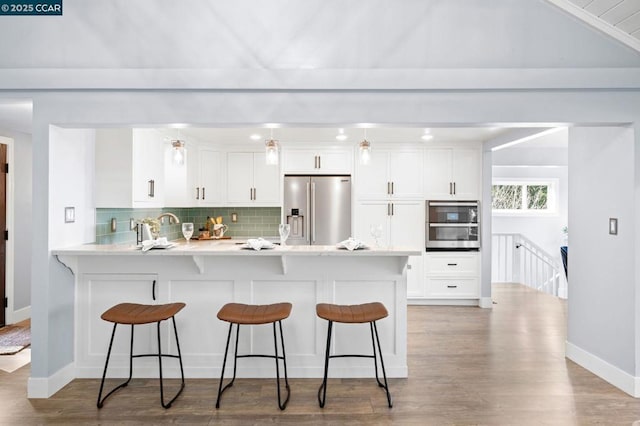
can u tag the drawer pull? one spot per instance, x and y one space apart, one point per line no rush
452 264
452 286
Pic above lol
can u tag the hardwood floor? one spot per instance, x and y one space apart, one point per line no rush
501 366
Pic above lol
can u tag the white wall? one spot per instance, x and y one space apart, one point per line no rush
72 185
602 306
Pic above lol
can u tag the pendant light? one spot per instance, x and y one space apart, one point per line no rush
272 150
365 149
179 152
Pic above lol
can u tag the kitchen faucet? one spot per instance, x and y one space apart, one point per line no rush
171 216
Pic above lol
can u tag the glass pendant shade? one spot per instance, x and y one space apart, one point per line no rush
179 153
272 151
365 151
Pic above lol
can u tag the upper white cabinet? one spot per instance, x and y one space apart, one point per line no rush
391 174
250 181
209 188
129 168
452 173
198 182
319 161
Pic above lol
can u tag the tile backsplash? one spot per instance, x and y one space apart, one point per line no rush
252 222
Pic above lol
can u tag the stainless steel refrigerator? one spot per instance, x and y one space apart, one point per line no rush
318 209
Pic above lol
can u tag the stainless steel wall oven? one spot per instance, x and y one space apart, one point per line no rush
452 225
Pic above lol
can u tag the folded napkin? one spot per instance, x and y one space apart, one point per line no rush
259 243
351 244
149 244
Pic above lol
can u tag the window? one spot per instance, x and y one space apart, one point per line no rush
514 197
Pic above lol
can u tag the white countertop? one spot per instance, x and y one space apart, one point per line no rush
227 248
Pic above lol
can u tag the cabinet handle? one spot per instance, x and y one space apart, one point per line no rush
450 189
452 286
203 192
392 188
152 188
388 188
255 194
153 290
391 209
315 161
197 192
251 194
452 264
454 188
319 162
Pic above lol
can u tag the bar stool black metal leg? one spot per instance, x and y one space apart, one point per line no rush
384 374
375 358
101 400
284 359
224 363
323 387
160 355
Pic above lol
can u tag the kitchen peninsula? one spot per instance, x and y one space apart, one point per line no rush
207 274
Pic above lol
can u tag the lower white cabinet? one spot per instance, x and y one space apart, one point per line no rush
452 275
402 224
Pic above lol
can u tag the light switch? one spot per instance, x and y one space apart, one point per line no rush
69 214
613 226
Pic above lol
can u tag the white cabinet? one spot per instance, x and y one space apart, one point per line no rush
100 292
402 226
129 168
323 161
250 181
452 275
452 173
209 186
391 174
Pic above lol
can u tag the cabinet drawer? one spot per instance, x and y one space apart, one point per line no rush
453 287
451 264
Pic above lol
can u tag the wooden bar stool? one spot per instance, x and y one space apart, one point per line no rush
133 314
238 313
353 314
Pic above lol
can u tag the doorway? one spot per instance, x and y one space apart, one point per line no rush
3 227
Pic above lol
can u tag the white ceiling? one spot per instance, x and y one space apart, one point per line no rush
296 135
617 18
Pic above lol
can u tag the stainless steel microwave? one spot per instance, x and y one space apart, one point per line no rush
452 225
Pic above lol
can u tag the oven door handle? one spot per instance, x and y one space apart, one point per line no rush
453 225
453 204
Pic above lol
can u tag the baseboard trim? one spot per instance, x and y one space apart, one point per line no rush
443 302
45 387
601 368
485 303
21 314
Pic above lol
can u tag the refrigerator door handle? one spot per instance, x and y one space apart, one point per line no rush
313 212
309 215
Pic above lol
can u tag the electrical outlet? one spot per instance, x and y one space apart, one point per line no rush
69 214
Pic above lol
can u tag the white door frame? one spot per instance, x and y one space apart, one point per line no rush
9 273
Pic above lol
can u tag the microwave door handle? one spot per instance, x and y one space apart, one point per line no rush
454 204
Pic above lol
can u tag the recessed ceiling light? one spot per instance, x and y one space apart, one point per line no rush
255 137
426 137
341 136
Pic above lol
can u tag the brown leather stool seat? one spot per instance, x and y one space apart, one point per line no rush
134 313
137 314
353 314
366 312
241 314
